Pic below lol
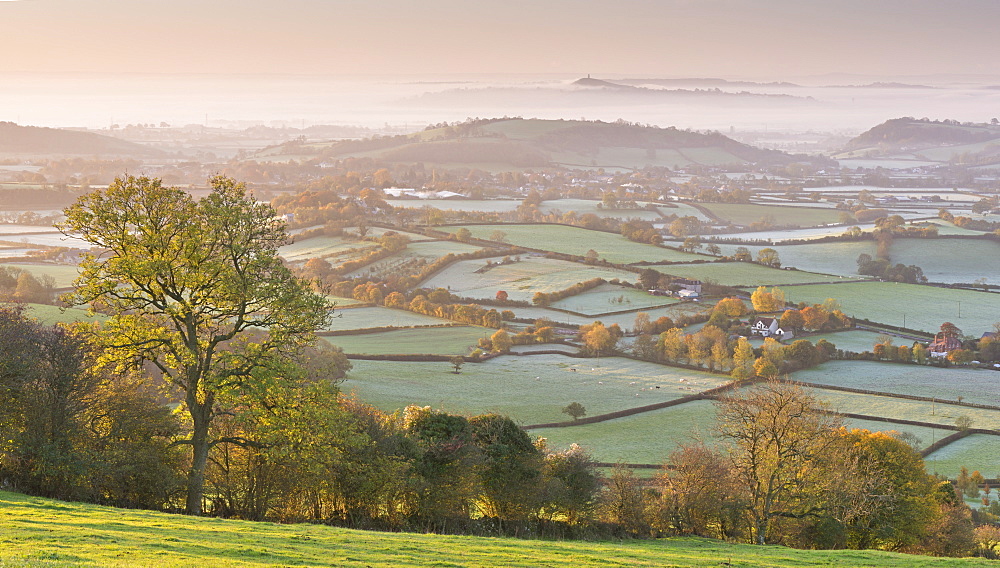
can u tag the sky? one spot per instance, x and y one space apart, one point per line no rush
763 39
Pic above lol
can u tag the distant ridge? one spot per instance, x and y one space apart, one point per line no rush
18 139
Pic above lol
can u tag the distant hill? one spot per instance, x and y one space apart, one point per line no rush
532 143
16 139
591 91
934 140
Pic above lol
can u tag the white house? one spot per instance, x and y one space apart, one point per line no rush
766 327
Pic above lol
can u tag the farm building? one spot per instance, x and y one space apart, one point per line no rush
943 344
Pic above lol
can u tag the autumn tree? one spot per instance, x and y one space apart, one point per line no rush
765 300
195 288
575 409
776 437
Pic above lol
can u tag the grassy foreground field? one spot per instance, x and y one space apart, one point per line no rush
42 532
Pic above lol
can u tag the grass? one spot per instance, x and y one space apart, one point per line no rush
924 434
62 274
531 389
457 340
51 315
367 318
973 385
743 274
649 437
332 248
577 241
942 260
855 340
891 407
610 298
976 452
519 279
584 206
43 532
745 214
427 250
923 307
484 205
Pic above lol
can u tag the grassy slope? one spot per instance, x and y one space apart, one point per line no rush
41 532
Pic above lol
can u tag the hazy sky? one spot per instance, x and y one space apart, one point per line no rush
733 38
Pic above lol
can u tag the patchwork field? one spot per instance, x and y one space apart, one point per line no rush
531 388
743 274
577 241
44 532
942 260
333 249
745 214
898 408
458 340
427 250
649 437
610 298
367 318
923 307
978 452
585 206
519 279
973 385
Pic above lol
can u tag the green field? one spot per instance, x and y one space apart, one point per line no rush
745 214
923 307
379 231
50 315
924 434
531 389
577 241
429 251
367 318
649 437
743 274
903 409
334 249
855 340
610 298
458 340
62 274
584 206
519 279
973 385
44 532
978 452
942 260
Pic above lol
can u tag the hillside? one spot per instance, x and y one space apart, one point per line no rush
16 139
532 143
934 140
43 532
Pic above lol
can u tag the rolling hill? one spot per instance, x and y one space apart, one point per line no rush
533 143
933 140
35 140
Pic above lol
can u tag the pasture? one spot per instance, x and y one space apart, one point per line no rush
838 258
51 315
973 385
592 206
519 279
62 275
531 389
903 409
333 249
577 241
56 534
457 340
923 434
745 214
484 205
377 316
855 340
744 274
923 307
977 452
649 437
429 251
611 298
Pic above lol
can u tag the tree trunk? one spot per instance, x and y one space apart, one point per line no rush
200 415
